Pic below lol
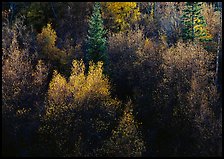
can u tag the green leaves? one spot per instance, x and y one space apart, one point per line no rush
96 40
194 23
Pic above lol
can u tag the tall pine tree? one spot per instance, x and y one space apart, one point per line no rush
194 24
96 39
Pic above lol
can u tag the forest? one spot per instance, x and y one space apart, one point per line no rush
112 79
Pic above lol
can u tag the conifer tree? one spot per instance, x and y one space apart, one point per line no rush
96 40
194 24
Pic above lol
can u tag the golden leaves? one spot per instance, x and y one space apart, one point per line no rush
122 13
212 18
80 86
126 140
47 40
70 104
57 88
22 112
47 36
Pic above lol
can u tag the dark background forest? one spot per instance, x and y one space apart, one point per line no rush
115 79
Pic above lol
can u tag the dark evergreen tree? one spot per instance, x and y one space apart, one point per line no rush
96 39
194 24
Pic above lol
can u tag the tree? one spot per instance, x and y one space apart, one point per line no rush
72 15
122 50
194 24
122 14
213 18
188 102
79 113
38 14
23 90
96 40
47 36
50 52
219 49
126 140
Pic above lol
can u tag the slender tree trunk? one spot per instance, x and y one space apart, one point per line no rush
218 48
154 9
53 10
12 11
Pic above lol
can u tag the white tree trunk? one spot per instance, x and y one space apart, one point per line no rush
218 47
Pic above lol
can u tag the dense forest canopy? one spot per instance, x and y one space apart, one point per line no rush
121 79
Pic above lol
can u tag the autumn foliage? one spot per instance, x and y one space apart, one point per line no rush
120 15
111 79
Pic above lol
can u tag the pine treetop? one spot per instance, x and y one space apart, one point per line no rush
96 38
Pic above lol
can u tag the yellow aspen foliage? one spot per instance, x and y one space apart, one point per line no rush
77 78
199 29
123 14
48 36
47 40
22 112
126 140
77 106
125 125
97 79
57 89
92 85
78 68
80 86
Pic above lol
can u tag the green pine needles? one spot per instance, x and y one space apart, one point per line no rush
96 39
194 24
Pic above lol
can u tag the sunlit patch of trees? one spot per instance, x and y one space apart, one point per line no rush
122 79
